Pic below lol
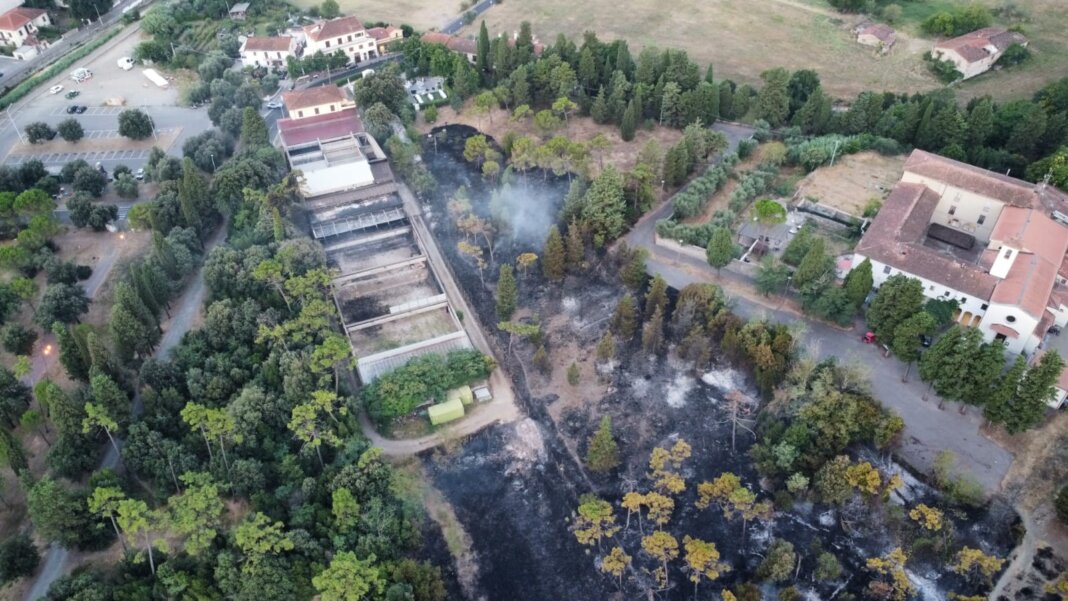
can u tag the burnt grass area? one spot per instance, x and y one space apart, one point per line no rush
515 487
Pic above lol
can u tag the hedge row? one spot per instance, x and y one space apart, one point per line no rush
816 152
753 183
20 91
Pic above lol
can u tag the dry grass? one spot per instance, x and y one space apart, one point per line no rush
420 14
622 155
742 38
853 180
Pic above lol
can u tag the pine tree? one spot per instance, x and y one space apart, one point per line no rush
656 295
253 129
554 261
74 361
858 283
625 318
653 332
576 247
1036 389
602 454
606 348
998 407
506 293
573 374
599 108
629 124
720 250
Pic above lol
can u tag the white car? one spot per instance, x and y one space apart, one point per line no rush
125 63
56 89
139 174
274 104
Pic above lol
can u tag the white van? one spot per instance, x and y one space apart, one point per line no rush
126 63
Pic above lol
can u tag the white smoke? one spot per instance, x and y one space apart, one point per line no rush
525 211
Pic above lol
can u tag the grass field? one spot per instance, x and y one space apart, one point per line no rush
420 14
741 38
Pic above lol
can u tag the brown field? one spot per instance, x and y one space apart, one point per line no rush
742 38
852 181
420 14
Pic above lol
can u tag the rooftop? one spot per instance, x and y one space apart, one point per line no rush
1009 190
17 17
329 126
981 43
333 28
268 44
299 99
884 33
240 7
383 33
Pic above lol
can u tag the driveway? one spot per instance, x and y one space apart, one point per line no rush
928 429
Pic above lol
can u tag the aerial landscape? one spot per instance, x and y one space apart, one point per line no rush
532 300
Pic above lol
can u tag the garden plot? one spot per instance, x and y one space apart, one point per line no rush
853 181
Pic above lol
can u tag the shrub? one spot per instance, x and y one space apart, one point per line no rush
958 21
1014 55
18 340
135 124
424 378
38 131
70 130
18 558
945 71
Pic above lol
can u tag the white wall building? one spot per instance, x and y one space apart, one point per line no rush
301 104
974 53
346 34
268 51
993 243
19 27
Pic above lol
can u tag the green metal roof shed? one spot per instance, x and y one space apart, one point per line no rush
463 393
448 411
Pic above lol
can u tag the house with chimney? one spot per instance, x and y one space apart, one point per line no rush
344 34
994 244
976 52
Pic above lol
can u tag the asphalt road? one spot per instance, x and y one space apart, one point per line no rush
457 24
928 429
56 561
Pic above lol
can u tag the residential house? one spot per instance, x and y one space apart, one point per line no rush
239 11
974 53
465 46
268 51
385 37
994 244
301 104
346 34
18 29
877 35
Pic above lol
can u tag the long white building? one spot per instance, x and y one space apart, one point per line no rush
993 243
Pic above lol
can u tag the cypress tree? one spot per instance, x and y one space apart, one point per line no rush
629 124
576 247
720 250
998 407
70 353
506 292
656 296
1036 388
858 283
599 108
253 129
554 262
191 195
726 100
482 57
12 453
653 332
602 455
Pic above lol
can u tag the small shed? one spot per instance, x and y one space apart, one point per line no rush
443 413
482 393
463 393
239 11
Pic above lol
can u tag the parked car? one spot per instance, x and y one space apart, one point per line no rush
139 174
274 104
80 109
925 341
56 89
72 109
125 63
73 94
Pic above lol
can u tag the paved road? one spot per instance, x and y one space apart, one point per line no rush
458 23
57 559
502 408
928 429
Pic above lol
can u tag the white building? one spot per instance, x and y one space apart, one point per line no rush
346 34
993 243
268 51
974 53
316 101
19 27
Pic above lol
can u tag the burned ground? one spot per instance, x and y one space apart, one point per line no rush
515 488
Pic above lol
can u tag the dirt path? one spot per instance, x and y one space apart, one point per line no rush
57 560
502 409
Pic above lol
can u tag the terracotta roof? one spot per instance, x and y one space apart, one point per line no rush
1009 190
383 33
330 126
1042 243
1028 284
885 33
1005 331
464 45
17 17
299 99
896 237
333 28
980 44
271 44
436 37
1063 271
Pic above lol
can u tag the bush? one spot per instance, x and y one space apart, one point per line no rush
38 131
1014 55
945 71
17 339
958 21
18 558
422 379
692 199
70 130
126 186
135 124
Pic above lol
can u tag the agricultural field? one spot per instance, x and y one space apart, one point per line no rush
852 181
743 38
420 14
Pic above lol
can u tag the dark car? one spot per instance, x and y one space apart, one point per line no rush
80 109
72 109
925 340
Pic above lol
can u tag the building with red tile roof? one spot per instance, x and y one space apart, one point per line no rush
19 27
345 34
320 100
268 51
994 244
385 37
974 53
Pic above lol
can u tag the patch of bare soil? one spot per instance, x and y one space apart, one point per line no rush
852 181
622 155
90 247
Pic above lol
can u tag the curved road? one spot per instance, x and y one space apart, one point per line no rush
57 559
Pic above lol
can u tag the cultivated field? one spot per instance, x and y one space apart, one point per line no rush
744 37
420 14
852 181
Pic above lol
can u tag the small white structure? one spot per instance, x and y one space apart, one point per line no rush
425 90
156 78
125 63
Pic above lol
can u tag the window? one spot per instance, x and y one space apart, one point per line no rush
963 300
886 269
331 108
350 38
982 218
300 113
984 306
1010 318
953 210
946 294
328 43
1008 253
931 287
316 110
